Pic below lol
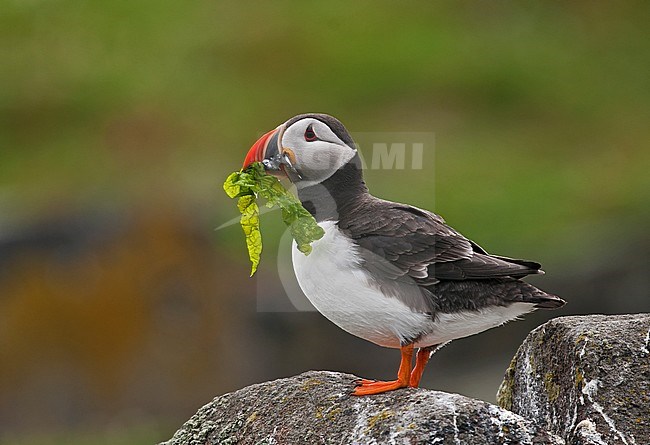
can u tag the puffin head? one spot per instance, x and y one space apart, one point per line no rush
308 149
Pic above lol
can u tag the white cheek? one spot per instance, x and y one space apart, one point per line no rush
318 163
318 160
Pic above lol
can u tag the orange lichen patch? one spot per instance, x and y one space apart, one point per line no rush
93 310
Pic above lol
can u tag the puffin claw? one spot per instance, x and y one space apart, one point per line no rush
361 382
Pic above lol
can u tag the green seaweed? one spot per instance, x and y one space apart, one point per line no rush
254 182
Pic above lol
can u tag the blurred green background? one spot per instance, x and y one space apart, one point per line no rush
122 310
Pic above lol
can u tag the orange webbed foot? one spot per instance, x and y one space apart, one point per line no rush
377 387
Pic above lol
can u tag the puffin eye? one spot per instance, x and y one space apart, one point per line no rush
310 136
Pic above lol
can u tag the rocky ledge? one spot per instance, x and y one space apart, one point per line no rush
316 408
575 380
586 379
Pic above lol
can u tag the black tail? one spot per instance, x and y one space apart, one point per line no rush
550 302
541 300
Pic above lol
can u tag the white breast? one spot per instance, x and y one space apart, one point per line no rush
333 281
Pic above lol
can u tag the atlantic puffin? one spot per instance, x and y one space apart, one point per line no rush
390 273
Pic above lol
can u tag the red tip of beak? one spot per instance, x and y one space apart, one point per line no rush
256 153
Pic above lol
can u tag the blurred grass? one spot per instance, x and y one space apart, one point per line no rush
534 99
540 111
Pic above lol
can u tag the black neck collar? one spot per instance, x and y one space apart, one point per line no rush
338 193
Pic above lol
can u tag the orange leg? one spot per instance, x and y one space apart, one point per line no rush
421 360
367 387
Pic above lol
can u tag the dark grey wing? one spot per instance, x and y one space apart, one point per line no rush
409 245
412 255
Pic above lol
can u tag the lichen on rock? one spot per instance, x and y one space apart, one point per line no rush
586 379
575 380
317 408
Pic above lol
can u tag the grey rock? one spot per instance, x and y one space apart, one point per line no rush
586 379
316 408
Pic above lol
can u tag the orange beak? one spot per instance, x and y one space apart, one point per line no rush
266 147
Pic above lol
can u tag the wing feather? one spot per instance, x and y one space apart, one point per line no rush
408 244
